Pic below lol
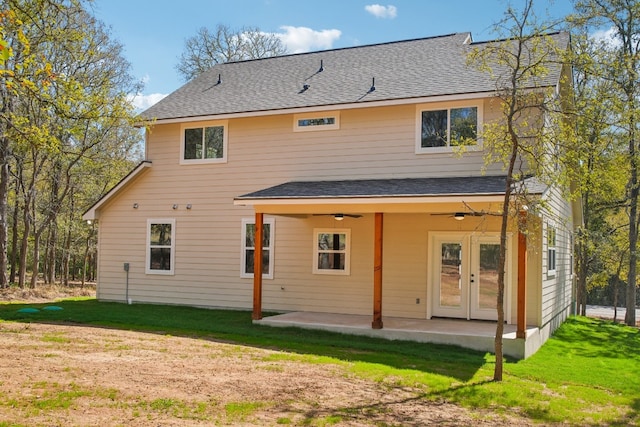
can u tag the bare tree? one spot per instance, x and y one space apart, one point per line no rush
210 47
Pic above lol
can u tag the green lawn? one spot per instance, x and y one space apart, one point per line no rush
587 374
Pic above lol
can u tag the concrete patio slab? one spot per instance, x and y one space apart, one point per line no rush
476 335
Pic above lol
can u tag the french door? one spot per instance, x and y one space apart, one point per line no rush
464 275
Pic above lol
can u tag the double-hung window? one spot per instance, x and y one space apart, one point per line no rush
331 250
204 144
440 129
161 240
551 250
249 245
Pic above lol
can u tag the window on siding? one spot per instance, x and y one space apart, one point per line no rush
249 245
331 251
204 144
448 127
160 246
316 121
551 250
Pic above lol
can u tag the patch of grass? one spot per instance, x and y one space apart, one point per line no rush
163 404
240 411
57 338
588 373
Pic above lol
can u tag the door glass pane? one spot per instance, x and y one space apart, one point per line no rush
450 278
488 280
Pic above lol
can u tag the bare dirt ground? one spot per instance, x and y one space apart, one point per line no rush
78 375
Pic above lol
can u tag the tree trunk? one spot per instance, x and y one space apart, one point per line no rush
66 257
14 240
85 265
24 247
35 265
51 254
630 317
4 193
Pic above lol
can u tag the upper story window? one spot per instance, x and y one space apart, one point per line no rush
326 120
204 144
161 240
440 129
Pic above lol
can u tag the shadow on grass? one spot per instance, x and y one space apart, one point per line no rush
622 342
236 326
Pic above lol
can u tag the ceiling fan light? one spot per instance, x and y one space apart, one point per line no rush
459 216
338 217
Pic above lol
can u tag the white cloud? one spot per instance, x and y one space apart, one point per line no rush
609 38
142 102
303 39
380 11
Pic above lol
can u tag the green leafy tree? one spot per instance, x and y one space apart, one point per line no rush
620 68
601 184
65 93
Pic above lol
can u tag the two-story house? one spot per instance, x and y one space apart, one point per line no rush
365 212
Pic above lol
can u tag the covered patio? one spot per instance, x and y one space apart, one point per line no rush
473 334
459 197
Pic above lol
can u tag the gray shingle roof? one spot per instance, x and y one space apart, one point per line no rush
408 187
402 70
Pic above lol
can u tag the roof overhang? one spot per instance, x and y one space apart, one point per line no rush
318 108
91 214
380 195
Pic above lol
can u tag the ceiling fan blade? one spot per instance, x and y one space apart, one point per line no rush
340 215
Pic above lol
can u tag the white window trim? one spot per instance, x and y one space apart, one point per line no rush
148 269
554 248
243 247
448 106
347 251
196 125
319 115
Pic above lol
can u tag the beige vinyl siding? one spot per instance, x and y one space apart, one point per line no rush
556 290
262 152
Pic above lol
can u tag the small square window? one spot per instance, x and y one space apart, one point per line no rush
331 250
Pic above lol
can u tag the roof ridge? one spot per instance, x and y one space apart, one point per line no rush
467 33
553 33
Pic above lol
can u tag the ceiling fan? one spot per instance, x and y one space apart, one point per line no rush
459 216
339 216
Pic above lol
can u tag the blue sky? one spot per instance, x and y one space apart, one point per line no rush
153 32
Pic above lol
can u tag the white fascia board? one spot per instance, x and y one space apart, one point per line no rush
90 214
331 107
